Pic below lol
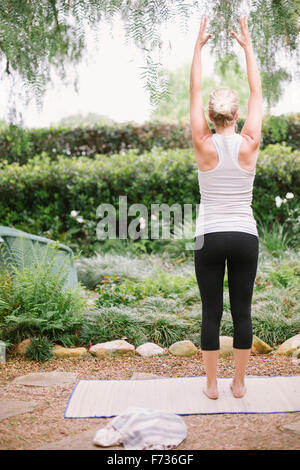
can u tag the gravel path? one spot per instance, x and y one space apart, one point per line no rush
46 423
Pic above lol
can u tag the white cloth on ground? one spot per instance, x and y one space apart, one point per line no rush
142 429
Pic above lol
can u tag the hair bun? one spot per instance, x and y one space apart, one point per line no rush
223 104
222 108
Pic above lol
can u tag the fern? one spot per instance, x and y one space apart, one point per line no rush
34 299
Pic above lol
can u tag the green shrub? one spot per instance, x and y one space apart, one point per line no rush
18 145
275 237
167 284
39 349
34 301
271 327
91 271
143 325
138 326
41 196
283 128
286 275
113 292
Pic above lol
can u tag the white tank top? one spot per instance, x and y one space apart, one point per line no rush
226 191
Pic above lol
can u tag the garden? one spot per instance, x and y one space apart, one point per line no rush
98 216
142 290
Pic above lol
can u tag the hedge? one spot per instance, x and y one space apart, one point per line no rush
38 197
18 145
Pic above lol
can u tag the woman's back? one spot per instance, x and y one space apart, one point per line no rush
226 191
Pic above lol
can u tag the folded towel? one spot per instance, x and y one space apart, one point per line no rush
143 429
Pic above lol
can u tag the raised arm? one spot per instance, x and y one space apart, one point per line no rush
252 126
199 124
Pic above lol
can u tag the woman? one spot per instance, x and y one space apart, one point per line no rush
226 229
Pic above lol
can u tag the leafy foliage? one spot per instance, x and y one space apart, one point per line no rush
19 145
39 349
37 35
176 107
41 195
107 324
34 300
113 293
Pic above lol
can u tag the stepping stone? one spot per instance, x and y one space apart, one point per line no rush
46 379
291 427
82 441
9 408
143 375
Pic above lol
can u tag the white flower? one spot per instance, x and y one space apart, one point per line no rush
278 201
289 195
80 219
74 213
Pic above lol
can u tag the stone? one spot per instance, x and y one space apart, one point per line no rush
46 379
183 348
289 346
296 353
291 427
22 347
149 349
226 346
296 356
143 376
259 346
80 441
9 408
111 348
60 351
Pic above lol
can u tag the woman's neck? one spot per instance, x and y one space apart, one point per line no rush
226 131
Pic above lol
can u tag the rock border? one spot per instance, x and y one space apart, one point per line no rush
185 348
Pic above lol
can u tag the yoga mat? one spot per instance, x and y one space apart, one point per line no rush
183 396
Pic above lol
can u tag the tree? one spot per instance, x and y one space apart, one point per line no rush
38 34
176 106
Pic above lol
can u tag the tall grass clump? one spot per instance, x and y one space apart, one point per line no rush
39 349
108 324
91 271
275 238
271 327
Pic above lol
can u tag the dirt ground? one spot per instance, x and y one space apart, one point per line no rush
46 423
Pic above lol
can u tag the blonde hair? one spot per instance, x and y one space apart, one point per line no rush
222 106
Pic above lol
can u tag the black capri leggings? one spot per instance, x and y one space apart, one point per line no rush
240 249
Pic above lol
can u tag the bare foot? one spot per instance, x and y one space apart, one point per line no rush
211 392
238 390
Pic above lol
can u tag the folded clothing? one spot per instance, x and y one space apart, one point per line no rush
143 429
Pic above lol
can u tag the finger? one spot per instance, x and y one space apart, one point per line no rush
207 38
242 24
236 37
